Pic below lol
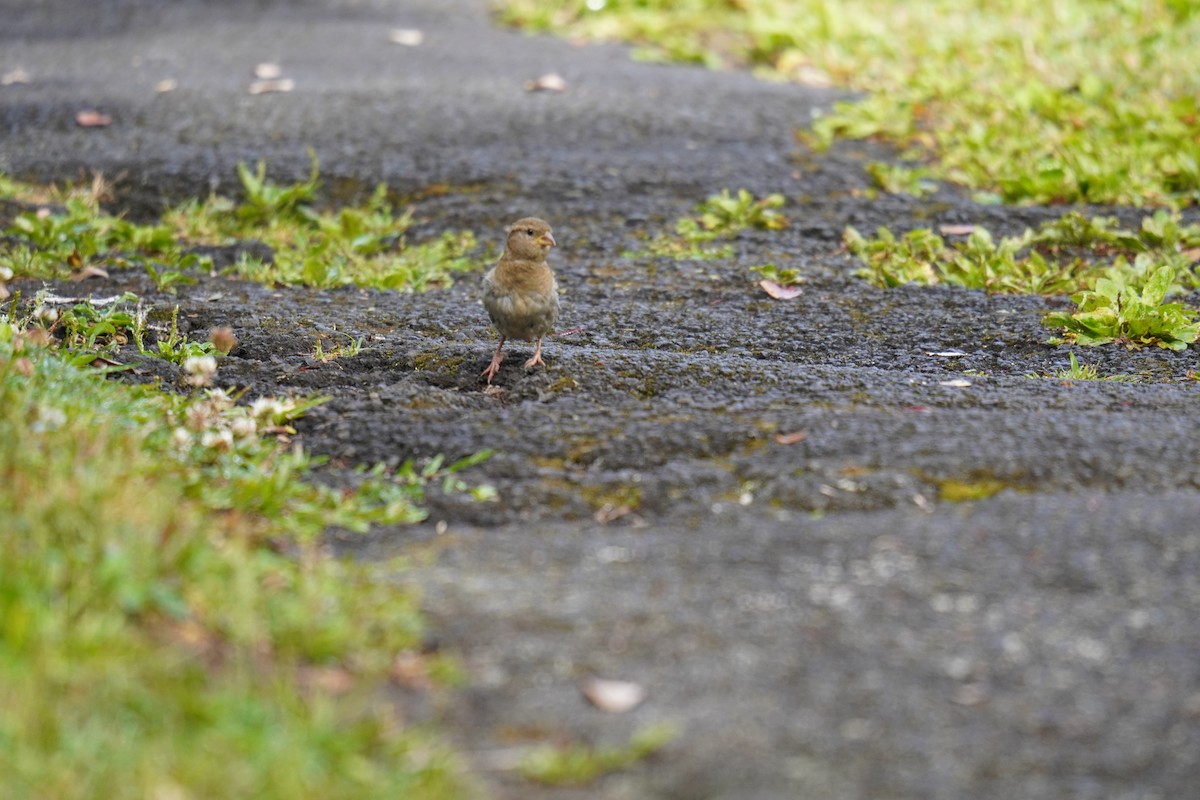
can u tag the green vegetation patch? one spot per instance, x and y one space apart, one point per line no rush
1118 278
1119 311
1084 372
1028 101
719 218
1059 257
579 764
362 245
170 625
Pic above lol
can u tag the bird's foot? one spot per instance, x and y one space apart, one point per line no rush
492 368
537 358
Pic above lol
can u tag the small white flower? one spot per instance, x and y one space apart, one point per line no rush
198 416
218 440
200 370
243 427
5 274
181 438
200 365
268 408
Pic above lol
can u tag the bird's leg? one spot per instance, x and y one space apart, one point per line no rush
537 356
497 359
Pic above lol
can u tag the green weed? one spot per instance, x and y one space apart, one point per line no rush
1117 311
1083 372
347 349
727 215
1059 257
720 217
786 276
901 179
362 245
574 766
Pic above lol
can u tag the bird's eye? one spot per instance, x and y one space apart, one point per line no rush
529 231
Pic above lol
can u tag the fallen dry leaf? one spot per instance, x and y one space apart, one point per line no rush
957 383
791 438
266 86
267 71
956 230
166 85
409 37
17 75
550 82
780 292
91 118
1192 254
88 272
223 338
946 353
612 696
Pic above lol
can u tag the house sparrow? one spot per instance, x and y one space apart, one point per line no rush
520 293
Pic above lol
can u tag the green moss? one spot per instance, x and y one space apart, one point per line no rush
977 486
613 496
434 361
564 384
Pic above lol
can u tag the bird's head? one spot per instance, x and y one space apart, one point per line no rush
530 238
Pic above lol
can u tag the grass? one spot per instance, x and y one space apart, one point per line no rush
1084 372
1035 102
65 230
170 625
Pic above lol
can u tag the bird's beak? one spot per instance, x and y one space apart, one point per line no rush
547 239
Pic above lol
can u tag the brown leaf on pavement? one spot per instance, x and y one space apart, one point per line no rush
409 37
264 87
794 437
612 696
780 292
551 82
91 118
87 272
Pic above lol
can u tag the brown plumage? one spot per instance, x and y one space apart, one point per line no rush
520 293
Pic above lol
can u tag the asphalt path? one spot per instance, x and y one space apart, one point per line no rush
783 578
